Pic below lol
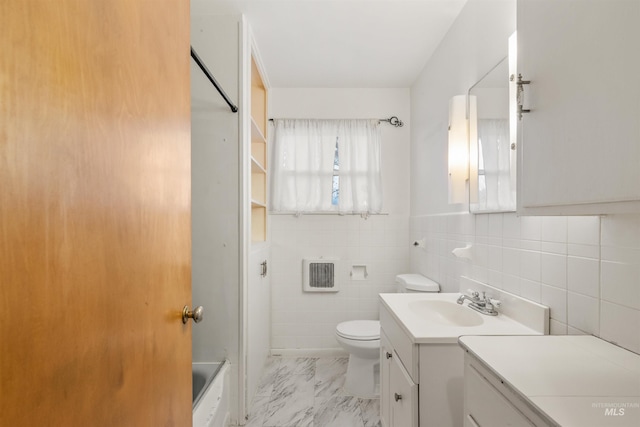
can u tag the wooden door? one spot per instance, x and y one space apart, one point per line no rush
95 245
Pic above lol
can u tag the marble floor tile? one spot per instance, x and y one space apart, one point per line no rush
370 411
271 369
293 385
340 411
290 409
308 392
330 376
305 366
258 411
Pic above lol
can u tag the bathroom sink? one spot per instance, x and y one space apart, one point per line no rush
445 313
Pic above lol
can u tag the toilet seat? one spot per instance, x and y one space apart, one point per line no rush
359 330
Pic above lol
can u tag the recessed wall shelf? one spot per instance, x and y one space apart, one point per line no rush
258 156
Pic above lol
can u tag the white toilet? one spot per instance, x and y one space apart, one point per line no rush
361 339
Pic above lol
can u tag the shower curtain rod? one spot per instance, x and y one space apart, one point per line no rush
212 79
393 121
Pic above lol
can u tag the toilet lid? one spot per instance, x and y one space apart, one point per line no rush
417 283
361 330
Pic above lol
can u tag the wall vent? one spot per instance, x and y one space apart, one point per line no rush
319 275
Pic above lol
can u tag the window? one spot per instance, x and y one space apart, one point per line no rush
335 187
326 166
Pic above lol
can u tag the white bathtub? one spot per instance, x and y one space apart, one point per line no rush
211 394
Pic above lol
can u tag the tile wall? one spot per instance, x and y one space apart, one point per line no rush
307 320
586 269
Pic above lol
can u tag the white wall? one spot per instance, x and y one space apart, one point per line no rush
587 269
476 42
381 242
215 195
215 191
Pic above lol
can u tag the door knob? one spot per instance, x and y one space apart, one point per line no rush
397 396
389 355
197 314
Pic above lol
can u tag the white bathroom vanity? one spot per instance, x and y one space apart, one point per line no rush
549 381
422 365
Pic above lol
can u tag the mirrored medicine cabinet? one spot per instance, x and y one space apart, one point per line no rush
492 141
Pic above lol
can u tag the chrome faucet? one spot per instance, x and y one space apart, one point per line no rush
484 305
475 297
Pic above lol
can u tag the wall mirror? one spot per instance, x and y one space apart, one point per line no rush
492 143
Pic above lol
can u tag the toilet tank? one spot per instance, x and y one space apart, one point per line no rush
407 283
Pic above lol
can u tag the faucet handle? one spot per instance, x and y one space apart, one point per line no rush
495 302
474 294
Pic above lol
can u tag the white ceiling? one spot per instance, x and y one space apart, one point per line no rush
342 43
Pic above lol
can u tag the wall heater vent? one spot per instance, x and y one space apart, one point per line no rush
319 275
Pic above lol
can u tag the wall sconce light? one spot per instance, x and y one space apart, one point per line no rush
474 155
458 149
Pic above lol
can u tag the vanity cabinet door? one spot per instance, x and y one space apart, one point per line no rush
579 146
484 406
403 396
386 354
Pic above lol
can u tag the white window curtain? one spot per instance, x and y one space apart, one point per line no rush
360 175
495 159
303 166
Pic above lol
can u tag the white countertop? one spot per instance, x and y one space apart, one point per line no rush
424 332
573 380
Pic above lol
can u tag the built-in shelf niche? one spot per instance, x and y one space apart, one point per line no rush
258 156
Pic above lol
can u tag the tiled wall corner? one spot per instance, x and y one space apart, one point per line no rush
586 268
620 280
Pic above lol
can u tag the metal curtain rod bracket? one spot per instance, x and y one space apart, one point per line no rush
393 121
212 79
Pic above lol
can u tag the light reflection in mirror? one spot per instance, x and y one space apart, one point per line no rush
492 165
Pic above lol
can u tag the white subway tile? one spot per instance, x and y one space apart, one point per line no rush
494 261
620 283
554 248
530 228
530 265
480 274
511 261
556 300
482 225
511 226
553 270
584 230
620 325
618 254
467 224
480 255
584 251
583 276
495 225
554 229
540 258
583 313
511 284
511 243
279 342
530 290
531 245
575 331
621 231
557 328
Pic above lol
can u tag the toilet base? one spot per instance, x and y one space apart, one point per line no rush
363 377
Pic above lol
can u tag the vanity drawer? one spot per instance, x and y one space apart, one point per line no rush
485 406
401 343
490 402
